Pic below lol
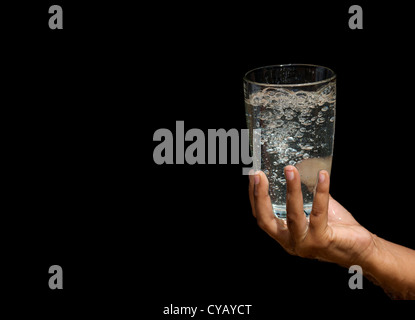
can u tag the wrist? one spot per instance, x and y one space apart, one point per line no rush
370 257
379 265
390 266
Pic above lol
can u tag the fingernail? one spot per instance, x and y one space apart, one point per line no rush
256 179
289 174
321 177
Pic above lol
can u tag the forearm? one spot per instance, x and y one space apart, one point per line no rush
392 267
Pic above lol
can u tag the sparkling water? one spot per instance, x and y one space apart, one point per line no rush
297 128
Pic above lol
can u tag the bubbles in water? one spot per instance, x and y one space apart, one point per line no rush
265 115
302 99
295 127
328 93
282 180
271 92
278 113
299 134
306 147
256 101
283 160
290 151
279 123
289 113
302 119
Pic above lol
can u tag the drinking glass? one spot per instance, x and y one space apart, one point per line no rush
294 105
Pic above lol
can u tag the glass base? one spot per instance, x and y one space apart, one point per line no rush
281 212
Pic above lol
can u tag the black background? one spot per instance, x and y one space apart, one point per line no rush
81 106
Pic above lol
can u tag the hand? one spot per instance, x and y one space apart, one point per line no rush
331 233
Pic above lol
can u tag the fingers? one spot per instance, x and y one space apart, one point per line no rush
262 208
296 220
251 192
319 212
292 235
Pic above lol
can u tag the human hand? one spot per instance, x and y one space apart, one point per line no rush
331 233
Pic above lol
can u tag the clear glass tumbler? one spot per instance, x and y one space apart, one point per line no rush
294 106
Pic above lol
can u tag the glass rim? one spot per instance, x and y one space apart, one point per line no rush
306 84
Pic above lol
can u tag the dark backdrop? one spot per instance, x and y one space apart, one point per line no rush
133 236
